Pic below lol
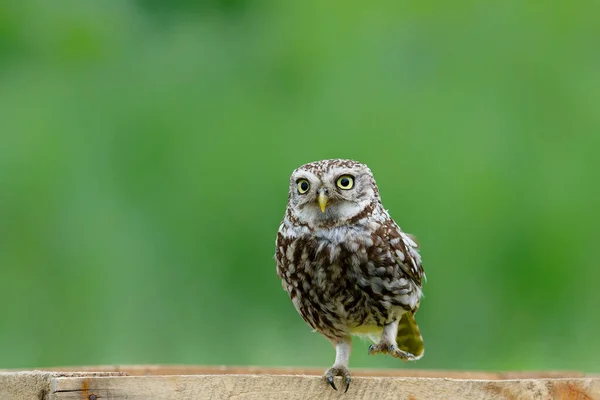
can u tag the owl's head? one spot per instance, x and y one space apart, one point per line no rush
331 192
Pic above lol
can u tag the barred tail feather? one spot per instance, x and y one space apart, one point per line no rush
409 337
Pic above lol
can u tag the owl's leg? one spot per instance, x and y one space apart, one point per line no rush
387 343
340 367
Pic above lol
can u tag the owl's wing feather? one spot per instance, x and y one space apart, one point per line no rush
394 275
406 250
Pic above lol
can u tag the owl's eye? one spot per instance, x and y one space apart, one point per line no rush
303 186
345 182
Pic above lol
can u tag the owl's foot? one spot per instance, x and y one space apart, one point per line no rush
380 348
338 371
391 349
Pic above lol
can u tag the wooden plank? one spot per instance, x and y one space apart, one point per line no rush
182 382
259 387
28 385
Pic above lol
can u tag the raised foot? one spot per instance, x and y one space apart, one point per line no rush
391 349
338 371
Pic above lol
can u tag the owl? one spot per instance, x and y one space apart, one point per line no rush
347 266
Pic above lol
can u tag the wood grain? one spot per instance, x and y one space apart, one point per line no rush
182 382
296 387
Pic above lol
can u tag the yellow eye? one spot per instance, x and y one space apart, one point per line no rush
345 182
303 186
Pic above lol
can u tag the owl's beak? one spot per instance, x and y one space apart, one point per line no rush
322 199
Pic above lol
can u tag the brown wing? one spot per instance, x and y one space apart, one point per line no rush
405 249
393 274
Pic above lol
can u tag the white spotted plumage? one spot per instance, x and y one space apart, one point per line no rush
346 265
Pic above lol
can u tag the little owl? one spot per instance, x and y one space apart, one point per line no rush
347 266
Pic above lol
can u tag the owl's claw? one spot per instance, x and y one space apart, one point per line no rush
330 380
381 347
338 371
401 354
391 349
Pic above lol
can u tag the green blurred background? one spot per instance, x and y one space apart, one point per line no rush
146 147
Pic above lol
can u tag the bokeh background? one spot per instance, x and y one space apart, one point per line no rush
145 150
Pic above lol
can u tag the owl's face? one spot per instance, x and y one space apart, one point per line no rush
331 191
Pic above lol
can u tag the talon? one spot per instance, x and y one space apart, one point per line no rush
379 348
330 380
401 354
342 371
